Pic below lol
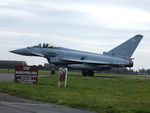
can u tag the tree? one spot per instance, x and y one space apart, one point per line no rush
148 71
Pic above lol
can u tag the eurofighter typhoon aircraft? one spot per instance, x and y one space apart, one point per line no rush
118 57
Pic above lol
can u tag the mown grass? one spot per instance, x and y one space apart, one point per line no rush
103 94
6 71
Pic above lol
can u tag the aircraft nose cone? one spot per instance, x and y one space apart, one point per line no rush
19 51
13 51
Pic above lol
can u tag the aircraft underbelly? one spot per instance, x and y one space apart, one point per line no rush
88 67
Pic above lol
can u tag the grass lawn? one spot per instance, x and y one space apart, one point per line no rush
103 94
6 71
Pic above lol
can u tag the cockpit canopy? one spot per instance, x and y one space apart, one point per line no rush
44 45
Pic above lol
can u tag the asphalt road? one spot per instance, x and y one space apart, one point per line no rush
6 77
12 104
10 77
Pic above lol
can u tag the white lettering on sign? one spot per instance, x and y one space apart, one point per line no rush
26 68
26 74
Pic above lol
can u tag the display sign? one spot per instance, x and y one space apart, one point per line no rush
26 74
63 72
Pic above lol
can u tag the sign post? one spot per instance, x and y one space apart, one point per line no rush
26 74
63 72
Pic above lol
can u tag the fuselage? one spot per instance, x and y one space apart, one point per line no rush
55 54
119 56
81 55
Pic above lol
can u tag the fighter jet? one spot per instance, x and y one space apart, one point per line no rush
88 62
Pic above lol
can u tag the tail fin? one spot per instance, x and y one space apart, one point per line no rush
125 49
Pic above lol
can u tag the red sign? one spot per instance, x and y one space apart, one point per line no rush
26 74
62 73
63 76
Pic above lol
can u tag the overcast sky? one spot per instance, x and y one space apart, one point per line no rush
89 25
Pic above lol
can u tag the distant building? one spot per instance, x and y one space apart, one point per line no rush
8 64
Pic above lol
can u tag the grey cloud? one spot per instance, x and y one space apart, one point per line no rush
62 26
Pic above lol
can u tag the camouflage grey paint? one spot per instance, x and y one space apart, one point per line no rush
117 57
